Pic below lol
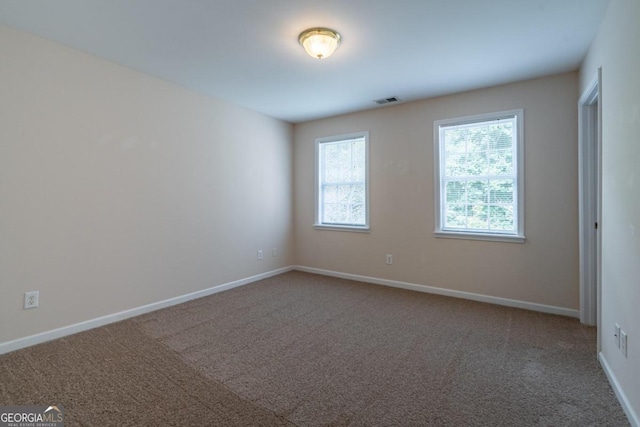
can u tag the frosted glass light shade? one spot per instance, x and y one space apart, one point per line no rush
319 42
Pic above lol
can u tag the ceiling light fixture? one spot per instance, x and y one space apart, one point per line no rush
319 42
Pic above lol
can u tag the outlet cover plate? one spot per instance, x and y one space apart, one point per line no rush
31 299
623 343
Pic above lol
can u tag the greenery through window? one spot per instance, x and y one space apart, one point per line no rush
342 181
478 175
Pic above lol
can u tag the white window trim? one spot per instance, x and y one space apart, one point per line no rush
517 237
335 227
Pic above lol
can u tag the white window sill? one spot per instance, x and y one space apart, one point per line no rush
480 236
352 228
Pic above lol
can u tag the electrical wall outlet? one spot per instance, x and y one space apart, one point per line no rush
274 252
259 254
31 299
389 259
617 335
623 342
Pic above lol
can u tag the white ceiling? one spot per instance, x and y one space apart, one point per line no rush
247 52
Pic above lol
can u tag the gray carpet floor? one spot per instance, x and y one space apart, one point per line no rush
306 350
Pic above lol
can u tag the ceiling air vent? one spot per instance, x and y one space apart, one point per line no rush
386 100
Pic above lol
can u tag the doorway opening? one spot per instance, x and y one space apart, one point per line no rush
589 164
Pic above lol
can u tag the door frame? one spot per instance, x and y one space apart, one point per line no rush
590 196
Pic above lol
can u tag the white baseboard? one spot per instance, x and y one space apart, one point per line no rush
632 415
446 292
19 343
111 318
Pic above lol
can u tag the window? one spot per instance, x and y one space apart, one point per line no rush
342 189
479 177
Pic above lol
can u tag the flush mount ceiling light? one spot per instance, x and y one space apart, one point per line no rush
319 42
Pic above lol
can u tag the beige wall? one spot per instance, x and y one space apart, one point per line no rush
543 270
616 51
119 190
